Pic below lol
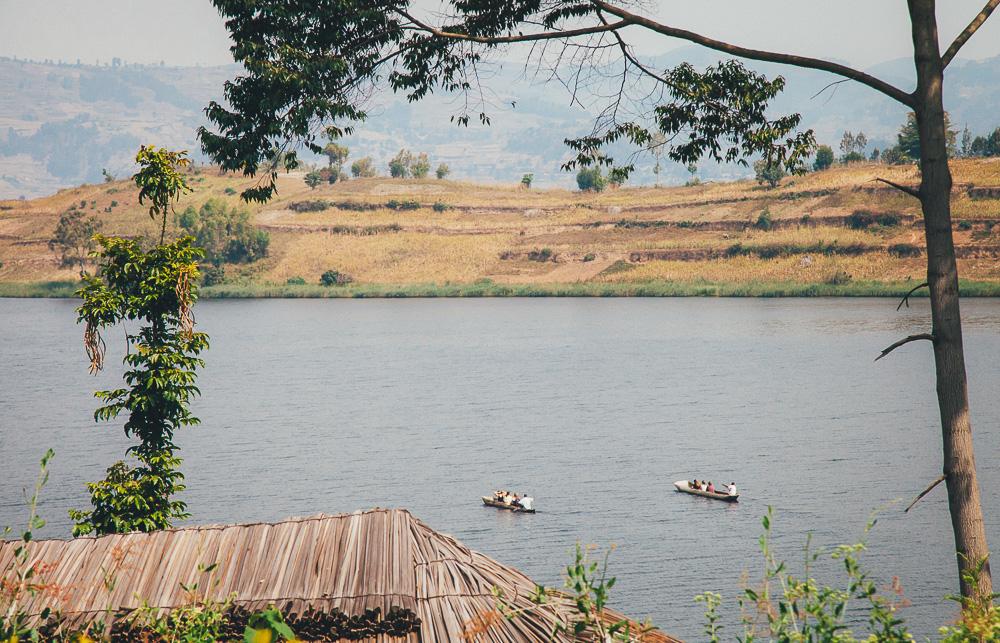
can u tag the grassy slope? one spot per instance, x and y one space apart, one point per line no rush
630 241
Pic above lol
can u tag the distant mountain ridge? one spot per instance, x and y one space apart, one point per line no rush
60 124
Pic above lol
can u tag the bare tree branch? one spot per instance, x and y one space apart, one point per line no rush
914 192
906 340
926 491
756 54
906 297
968 32
500 40
629 18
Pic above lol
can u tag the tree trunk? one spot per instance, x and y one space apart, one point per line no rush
942 278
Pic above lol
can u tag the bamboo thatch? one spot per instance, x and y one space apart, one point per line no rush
349 562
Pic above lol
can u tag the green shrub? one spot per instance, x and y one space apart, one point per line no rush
904 250
442 171
334 278
295 281
590 179
824 158
225 233
590 256
527 180
863 219
770 173
440 206
839 278
213 276
308 206
394 204
965 225
545 254
229 191
764 221
114 204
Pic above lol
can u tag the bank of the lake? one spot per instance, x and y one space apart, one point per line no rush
487 288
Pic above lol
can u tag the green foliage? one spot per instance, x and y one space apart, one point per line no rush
313 179
986 145
712 627
803 610
591 179
980 620
440 206
527 180
442 171
22 579
543 255
295 281
74 237
421 166
229 191
400 167
769 172
271 621
904 250
864 219
909 138
839 278
160 180
588 589
764 220
408 204
155 289
108 176
335 278
853 157
335 155
824 158
964 225
363 168
853 146
894 156
590 256
213 276
225 233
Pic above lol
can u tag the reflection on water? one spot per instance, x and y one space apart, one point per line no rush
595 406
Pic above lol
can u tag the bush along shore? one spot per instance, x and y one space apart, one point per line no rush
487 288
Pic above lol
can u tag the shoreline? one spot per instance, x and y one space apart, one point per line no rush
484 289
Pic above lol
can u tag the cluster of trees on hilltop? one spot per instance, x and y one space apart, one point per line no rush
853 147
404 165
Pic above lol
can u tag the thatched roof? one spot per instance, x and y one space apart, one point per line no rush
346 564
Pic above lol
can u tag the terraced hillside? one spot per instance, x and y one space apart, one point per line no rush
837 231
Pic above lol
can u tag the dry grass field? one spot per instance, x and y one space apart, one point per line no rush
839 229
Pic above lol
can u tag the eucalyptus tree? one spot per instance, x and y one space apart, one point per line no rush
310 66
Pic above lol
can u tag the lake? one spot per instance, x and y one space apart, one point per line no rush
595 406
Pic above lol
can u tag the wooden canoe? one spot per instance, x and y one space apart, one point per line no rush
490 502
682 485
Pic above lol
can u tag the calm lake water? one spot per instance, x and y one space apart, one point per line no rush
594 405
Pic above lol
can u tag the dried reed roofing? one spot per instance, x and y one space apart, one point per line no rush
347 563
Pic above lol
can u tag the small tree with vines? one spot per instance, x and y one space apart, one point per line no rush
156 289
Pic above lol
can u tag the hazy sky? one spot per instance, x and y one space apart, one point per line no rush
190 32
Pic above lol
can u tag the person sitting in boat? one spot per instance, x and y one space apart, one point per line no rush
526 502
516 501
731 489
696 484
710 488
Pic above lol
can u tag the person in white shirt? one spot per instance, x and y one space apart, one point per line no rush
731 489
526 502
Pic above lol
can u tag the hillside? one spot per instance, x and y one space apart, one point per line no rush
830 232
60 124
